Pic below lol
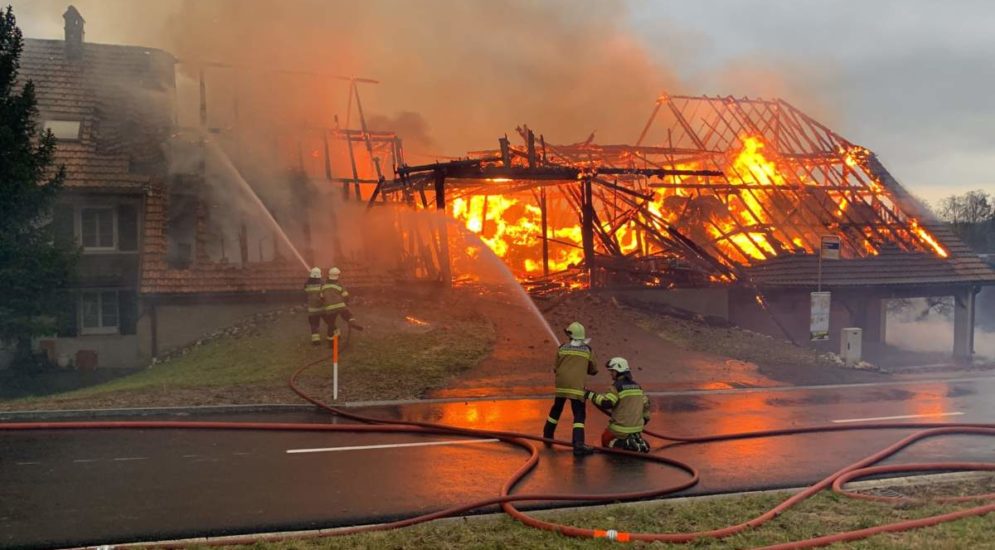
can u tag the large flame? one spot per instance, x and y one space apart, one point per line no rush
512 228
734 218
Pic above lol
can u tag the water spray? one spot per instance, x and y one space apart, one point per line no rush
231 170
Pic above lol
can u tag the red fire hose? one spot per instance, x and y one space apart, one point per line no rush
506 499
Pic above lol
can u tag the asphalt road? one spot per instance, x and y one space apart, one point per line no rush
69 488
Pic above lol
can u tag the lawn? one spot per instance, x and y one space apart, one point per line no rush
394 358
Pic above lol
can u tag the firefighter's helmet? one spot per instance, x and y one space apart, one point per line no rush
333 274
617 364
575 331
315 273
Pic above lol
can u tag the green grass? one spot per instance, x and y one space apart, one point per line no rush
392 359
824 514
730 342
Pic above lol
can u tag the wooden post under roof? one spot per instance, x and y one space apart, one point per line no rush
440 206
545 231
587 227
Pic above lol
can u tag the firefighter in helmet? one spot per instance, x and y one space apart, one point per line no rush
629 408
315 305
335 296
574 362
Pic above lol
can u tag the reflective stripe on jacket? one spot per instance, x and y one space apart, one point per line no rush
315 304
334 295
629 406
573 364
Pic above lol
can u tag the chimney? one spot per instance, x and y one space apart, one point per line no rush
74 33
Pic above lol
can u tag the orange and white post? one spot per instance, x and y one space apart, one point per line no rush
335 367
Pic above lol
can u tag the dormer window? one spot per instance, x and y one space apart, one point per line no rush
63 130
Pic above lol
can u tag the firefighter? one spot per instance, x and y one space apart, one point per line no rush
574 362
334 296
629 407
315 305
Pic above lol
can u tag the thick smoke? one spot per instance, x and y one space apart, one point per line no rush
923 327
473 70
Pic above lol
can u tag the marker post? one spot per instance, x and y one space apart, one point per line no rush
335 367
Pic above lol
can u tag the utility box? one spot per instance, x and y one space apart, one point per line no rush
850 342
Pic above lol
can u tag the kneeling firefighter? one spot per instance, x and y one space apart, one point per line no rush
315 304
629 407
574 362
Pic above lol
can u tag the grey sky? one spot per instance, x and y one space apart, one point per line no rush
912 80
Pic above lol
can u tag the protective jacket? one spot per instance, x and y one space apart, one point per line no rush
574 361
629 406
315 304
334 295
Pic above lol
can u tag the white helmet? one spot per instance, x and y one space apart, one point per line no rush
315 273
333 274
618 364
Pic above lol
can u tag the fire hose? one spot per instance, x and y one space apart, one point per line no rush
506 499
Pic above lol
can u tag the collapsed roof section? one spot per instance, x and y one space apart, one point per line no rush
713 189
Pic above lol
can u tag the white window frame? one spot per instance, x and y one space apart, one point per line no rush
79 228
61 125
100 328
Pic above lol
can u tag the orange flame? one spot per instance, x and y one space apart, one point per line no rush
926 238
734 219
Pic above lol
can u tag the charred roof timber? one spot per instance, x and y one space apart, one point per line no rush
715 190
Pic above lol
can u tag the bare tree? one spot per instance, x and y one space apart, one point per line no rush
972 216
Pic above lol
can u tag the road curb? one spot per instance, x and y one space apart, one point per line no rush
153 411
907 481
287 407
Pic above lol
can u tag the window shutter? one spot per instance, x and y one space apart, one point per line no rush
66 316
64 225
127 227
127 304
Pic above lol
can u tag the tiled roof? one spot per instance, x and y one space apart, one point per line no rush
120 96
202 276
892 267
206 277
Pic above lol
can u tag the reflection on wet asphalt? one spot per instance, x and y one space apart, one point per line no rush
67 488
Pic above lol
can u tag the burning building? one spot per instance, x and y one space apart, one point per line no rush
716 193
721 202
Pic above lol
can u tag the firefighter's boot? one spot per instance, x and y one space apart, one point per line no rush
549 431
355 325
315 339
580 448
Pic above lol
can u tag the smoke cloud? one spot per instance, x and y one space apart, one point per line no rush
921 328
473 70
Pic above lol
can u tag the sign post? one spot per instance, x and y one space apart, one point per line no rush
819 319
829 249
335 367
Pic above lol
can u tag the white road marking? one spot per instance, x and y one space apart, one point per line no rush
82 460
902 417
126 459
26 463
390 446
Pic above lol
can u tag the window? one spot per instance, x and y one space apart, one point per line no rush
99 312
97 228
181 229
64 130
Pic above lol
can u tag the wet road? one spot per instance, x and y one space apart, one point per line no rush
74 488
